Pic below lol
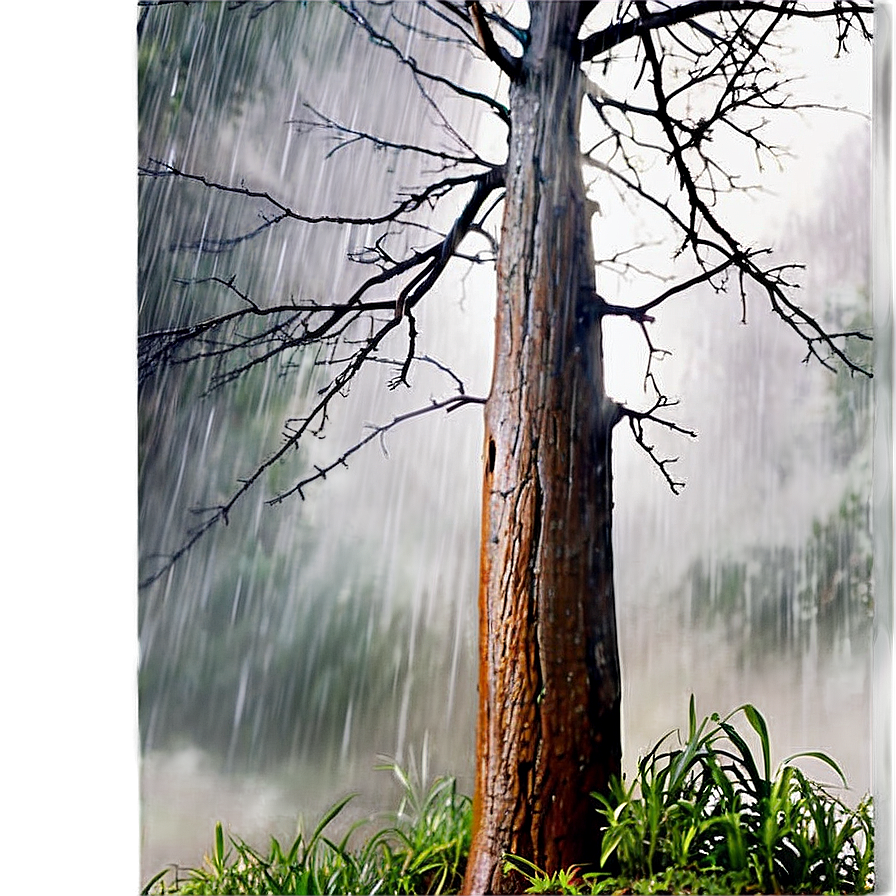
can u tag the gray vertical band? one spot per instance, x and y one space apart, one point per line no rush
882 297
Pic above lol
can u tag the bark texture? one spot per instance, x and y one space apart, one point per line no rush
548 727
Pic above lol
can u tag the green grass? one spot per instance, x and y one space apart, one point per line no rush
422 849
709 815
712 816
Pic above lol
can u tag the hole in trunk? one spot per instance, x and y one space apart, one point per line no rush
491 456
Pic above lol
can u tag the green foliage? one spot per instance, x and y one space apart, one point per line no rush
710 815
430 837
423 849
713 816
567 880
853 397
671 880
785 596
837 584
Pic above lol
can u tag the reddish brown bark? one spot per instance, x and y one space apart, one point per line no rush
548 728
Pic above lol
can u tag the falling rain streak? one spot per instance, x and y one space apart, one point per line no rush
290 649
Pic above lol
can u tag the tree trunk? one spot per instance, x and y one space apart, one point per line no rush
549 725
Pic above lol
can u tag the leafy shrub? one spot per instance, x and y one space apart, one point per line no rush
712 816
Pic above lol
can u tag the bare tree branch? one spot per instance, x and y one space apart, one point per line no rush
346 136
288 326
419 73
848 15
637 419
510 65
377 432
769 279
411 202
221 513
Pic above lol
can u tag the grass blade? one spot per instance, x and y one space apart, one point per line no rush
754 717
822 757
328 816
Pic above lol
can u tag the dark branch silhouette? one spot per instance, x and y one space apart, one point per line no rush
726 53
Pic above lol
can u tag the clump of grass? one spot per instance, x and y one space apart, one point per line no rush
712 816
422 849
